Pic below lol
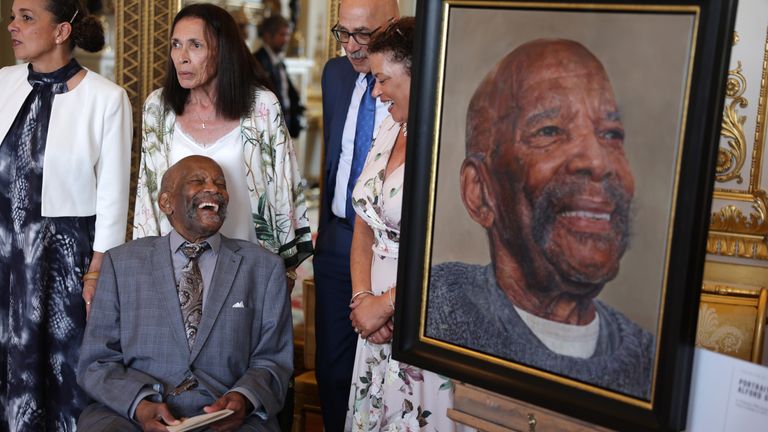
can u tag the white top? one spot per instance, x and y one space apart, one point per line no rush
564 339
339 203
87 162
227 151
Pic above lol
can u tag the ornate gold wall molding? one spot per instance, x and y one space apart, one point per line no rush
142 35
732 232
142 47
730 159
334 47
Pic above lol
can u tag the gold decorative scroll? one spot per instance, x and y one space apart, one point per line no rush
730 159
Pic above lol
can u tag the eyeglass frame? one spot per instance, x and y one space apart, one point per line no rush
336 31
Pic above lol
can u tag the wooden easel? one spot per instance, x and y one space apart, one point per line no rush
491 412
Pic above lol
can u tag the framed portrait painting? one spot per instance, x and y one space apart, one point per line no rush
558 184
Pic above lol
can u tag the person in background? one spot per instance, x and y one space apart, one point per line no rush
64 174
387 394
215 103
350 116
275 33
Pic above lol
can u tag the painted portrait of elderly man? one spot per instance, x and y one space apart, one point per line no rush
546 176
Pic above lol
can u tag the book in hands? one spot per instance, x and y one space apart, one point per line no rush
195 422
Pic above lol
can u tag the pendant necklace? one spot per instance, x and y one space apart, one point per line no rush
202 122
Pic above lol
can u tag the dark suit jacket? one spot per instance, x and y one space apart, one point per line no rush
296 112
135 335
338 83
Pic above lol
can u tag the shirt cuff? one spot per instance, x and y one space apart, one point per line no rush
258 409
145 392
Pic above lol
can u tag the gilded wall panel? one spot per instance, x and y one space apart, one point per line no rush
142 28
738 226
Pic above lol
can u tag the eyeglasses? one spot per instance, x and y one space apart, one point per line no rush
362 38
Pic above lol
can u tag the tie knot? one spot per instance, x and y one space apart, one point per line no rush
369 80
194 250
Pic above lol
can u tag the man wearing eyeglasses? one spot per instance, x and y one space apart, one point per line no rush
350 118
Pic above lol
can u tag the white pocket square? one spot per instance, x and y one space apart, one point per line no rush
238 305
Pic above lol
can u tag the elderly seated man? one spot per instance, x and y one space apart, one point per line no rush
189 323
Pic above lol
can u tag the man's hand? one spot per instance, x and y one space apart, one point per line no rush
237 403
154 417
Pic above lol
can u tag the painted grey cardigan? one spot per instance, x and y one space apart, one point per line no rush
466 308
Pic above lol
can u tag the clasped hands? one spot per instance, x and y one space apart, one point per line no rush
154 417
371 317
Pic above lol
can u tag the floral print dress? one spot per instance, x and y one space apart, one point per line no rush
387 395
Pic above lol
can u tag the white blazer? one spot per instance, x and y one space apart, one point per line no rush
86 168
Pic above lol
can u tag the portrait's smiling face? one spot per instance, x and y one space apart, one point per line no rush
562 181
192 54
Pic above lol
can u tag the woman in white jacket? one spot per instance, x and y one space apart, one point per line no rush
64 169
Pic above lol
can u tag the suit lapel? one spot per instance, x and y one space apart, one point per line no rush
341 107
162 272
221 285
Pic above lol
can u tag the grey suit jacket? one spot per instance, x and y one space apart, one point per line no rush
135 335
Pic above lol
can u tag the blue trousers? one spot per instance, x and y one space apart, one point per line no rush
336 341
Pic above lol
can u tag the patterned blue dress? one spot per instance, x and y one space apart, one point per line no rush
42 261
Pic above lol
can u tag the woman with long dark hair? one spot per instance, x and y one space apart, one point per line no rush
64 172
215 102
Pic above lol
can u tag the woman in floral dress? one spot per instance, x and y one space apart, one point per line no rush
387 395
215 103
